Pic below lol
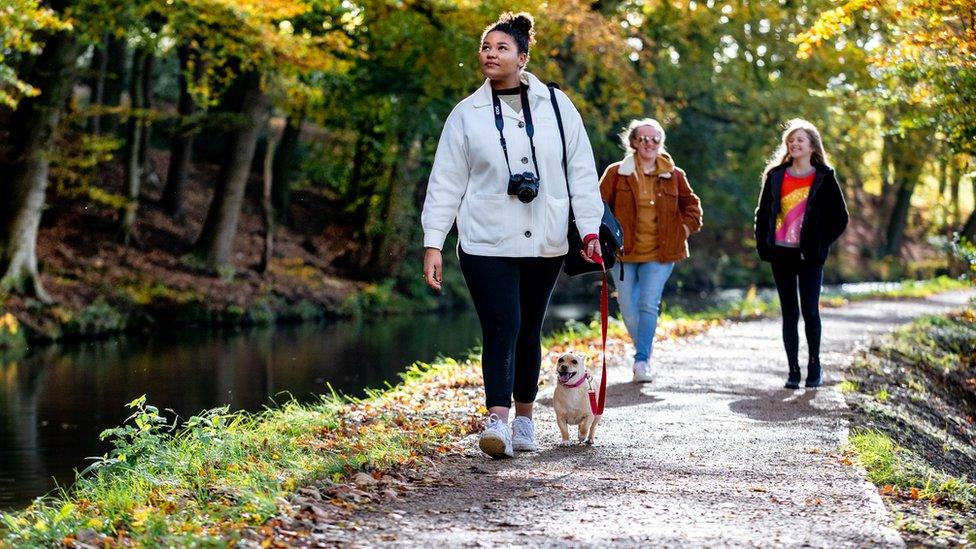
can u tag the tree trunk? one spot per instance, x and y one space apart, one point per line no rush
216 241
401 216
907 163
133 140
181 145
956 169
26 167
148 65
96 84
284 160
114 80
267 204
969 228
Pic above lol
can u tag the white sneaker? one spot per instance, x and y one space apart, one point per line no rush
642 372
496 439
523 435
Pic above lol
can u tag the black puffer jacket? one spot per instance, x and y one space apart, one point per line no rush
824 220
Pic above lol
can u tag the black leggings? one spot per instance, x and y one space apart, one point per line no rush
792 274
511 295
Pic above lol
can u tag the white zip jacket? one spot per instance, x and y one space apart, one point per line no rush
469 179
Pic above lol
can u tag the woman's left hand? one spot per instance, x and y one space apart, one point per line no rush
591 249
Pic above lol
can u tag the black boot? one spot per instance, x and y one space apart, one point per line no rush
793 382
814 373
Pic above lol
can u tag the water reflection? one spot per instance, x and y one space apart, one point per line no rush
55 402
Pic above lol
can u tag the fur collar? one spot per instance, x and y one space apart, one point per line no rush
629 164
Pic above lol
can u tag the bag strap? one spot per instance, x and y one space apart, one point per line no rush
562 134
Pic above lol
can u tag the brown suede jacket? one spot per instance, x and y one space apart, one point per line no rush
677 207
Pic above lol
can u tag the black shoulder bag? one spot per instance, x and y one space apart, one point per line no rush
611 235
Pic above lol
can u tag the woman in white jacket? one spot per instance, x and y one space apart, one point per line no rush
498 173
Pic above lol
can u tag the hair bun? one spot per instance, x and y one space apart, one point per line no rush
523 22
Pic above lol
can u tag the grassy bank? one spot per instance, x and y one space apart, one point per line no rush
914 399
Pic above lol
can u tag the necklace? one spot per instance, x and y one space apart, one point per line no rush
643 182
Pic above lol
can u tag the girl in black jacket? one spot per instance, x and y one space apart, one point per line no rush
801 213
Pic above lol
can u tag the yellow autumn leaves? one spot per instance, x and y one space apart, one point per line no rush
9 324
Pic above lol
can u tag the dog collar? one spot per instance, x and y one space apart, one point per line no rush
581 381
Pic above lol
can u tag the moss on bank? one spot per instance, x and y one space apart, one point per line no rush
914 399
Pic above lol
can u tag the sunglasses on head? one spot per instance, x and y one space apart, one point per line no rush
645 139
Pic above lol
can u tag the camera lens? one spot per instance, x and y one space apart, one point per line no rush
524 186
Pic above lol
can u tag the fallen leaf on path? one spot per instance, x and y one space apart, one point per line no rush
364 480
757 489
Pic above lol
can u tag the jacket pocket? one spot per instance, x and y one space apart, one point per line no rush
669 192
486 218
557 221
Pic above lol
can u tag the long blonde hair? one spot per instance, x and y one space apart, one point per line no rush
782 155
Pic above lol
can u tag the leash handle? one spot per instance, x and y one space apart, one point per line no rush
597 402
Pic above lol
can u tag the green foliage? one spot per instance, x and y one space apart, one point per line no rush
12 336
303 310
194 483
922 59
848 386
74 168
888 464
965 251
23 24
96 319
375 299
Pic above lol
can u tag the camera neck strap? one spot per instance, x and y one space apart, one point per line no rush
529 128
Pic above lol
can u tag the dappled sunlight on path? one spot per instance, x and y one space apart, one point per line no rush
713 452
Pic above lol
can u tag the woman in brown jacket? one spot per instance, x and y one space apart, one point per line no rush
657 210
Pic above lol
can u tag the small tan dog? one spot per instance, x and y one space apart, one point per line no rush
571 400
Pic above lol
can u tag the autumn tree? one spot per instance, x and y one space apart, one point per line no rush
38 91
923 53
253 46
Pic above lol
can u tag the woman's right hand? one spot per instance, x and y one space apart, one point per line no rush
432 268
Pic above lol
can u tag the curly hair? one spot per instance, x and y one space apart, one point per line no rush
517 25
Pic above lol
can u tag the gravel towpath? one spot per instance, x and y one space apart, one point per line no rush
712 452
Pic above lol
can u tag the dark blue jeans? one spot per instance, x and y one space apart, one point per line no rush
511 295
795 277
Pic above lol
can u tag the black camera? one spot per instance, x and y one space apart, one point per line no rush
524 185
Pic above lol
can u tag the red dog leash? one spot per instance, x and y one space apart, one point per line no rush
597 402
